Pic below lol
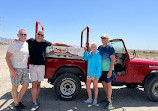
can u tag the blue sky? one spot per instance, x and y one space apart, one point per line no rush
135 21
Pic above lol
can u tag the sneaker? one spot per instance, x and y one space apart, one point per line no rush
94 102
88 101
17 108
22 106
109 106
35 107
106 105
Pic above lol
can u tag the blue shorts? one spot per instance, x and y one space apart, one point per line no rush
104 77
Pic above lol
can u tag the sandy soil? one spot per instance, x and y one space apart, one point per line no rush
124 99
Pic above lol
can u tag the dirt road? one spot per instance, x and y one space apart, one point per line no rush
124 99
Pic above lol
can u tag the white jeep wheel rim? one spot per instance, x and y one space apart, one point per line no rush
67 87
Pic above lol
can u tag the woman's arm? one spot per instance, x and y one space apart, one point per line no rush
86 55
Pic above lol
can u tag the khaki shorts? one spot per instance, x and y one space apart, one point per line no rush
22 77
37 72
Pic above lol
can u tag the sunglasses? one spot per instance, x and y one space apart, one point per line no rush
103 38
23 34
40 34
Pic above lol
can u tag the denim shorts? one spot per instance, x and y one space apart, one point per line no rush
104 77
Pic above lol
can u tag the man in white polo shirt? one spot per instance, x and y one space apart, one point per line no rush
16 58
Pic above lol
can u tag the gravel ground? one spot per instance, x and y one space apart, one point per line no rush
125 99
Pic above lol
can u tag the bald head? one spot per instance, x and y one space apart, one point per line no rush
21 30
22 35
39 36
41 32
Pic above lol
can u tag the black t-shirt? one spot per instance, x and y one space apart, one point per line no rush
37 51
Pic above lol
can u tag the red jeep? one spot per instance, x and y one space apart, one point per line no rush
66 74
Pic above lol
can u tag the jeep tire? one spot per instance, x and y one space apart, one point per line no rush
151 89
67 86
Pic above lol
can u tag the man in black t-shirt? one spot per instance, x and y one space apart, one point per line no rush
37 49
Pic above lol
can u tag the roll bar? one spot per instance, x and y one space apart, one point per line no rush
87 42
36 29
87 28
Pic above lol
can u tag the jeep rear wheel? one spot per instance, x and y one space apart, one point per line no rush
151 89
67 86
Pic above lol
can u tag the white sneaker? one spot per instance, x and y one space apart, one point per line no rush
35 107
110 107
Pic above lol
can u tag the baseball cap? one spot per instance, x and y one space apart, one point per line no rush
104 36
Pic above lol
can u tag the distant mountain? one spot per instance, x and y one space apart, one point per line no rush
4 41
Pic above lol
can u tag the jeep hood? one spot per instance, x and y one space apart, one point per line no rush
151 63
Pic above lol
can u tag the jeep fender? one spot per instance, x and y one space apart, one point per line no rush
66 69
149 75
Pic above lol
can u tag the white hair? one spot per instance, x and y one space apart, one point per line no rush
94 43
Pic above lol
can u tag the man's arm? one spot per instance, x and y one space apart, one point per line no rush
112 57
60 44
9 63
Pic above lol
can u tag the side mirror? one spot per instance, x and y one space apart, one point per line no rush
134 54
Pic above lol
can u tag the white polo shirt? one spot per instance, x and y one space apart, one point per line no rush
20 54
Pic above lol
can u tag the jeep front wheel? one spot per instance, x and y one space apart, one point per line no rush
151 89
67 86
